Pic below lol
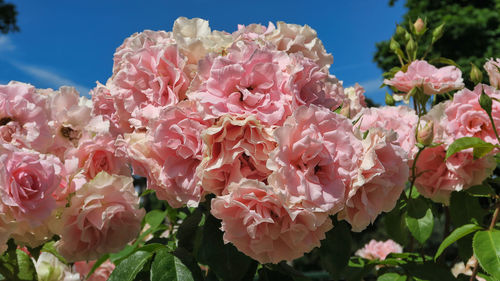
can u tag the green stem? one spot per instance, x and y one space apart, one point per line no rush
413 170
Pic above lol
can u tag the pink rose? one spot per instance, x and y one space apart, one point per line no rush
439 178
170 154
400 119
250 79
493 68
27 181
23 119
464 117
293 38
316 159
236 148
101 153
148 74
430 79
101 273
383 173
257 222
378 250
111 108
102 218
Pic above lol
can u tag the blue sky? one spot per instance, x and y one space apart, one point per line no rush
72 42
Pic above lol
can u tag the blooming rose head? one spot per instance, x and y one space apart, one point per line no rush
111 108
97 216
464 117
430 79
101 273
316 158
400 119
378 250
23 117
255 220
438 177
101 153
170 154
49 268
27 181
383 173
250 79
493 68
236 148
148 73
293 38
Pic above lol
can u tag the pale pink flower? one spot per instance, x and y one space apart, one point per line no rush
112 109
466 269
101 153
25 234
401 119
255 220
464 117
293 38
236 148
49 268
254 32
23 117
378 250
27 181
69 114
250 79
170 153
493 68
430 79
103 216
439 178
316 159
383 173
148 73
354 100
101 273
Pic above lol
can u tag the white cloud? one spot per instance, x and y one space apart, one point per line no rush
6 44
371 85
53 79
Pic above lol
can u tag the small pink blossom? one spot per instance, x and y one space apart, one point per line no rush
492 66
23 117
316 159
383 173
97 216
236 148
101 273
378 250
430 79
354 100
257 222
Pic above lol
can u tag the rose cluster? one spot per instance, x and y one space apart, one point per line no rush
252 117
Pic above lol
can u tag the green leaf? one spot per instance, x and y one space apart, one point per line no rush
486 245
224 259
483 190
485 102
481 147
392 276
25 266
192 264
429 271
154 218
187 230
49 248
465 209
129 267
395 225
167 267
419 219
456 235
335 249
443 61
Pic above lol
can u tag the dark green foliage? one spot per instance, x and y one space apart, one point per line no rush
472 32
8 18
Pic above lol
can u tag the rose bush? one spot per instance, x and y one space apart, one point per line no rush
210 155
